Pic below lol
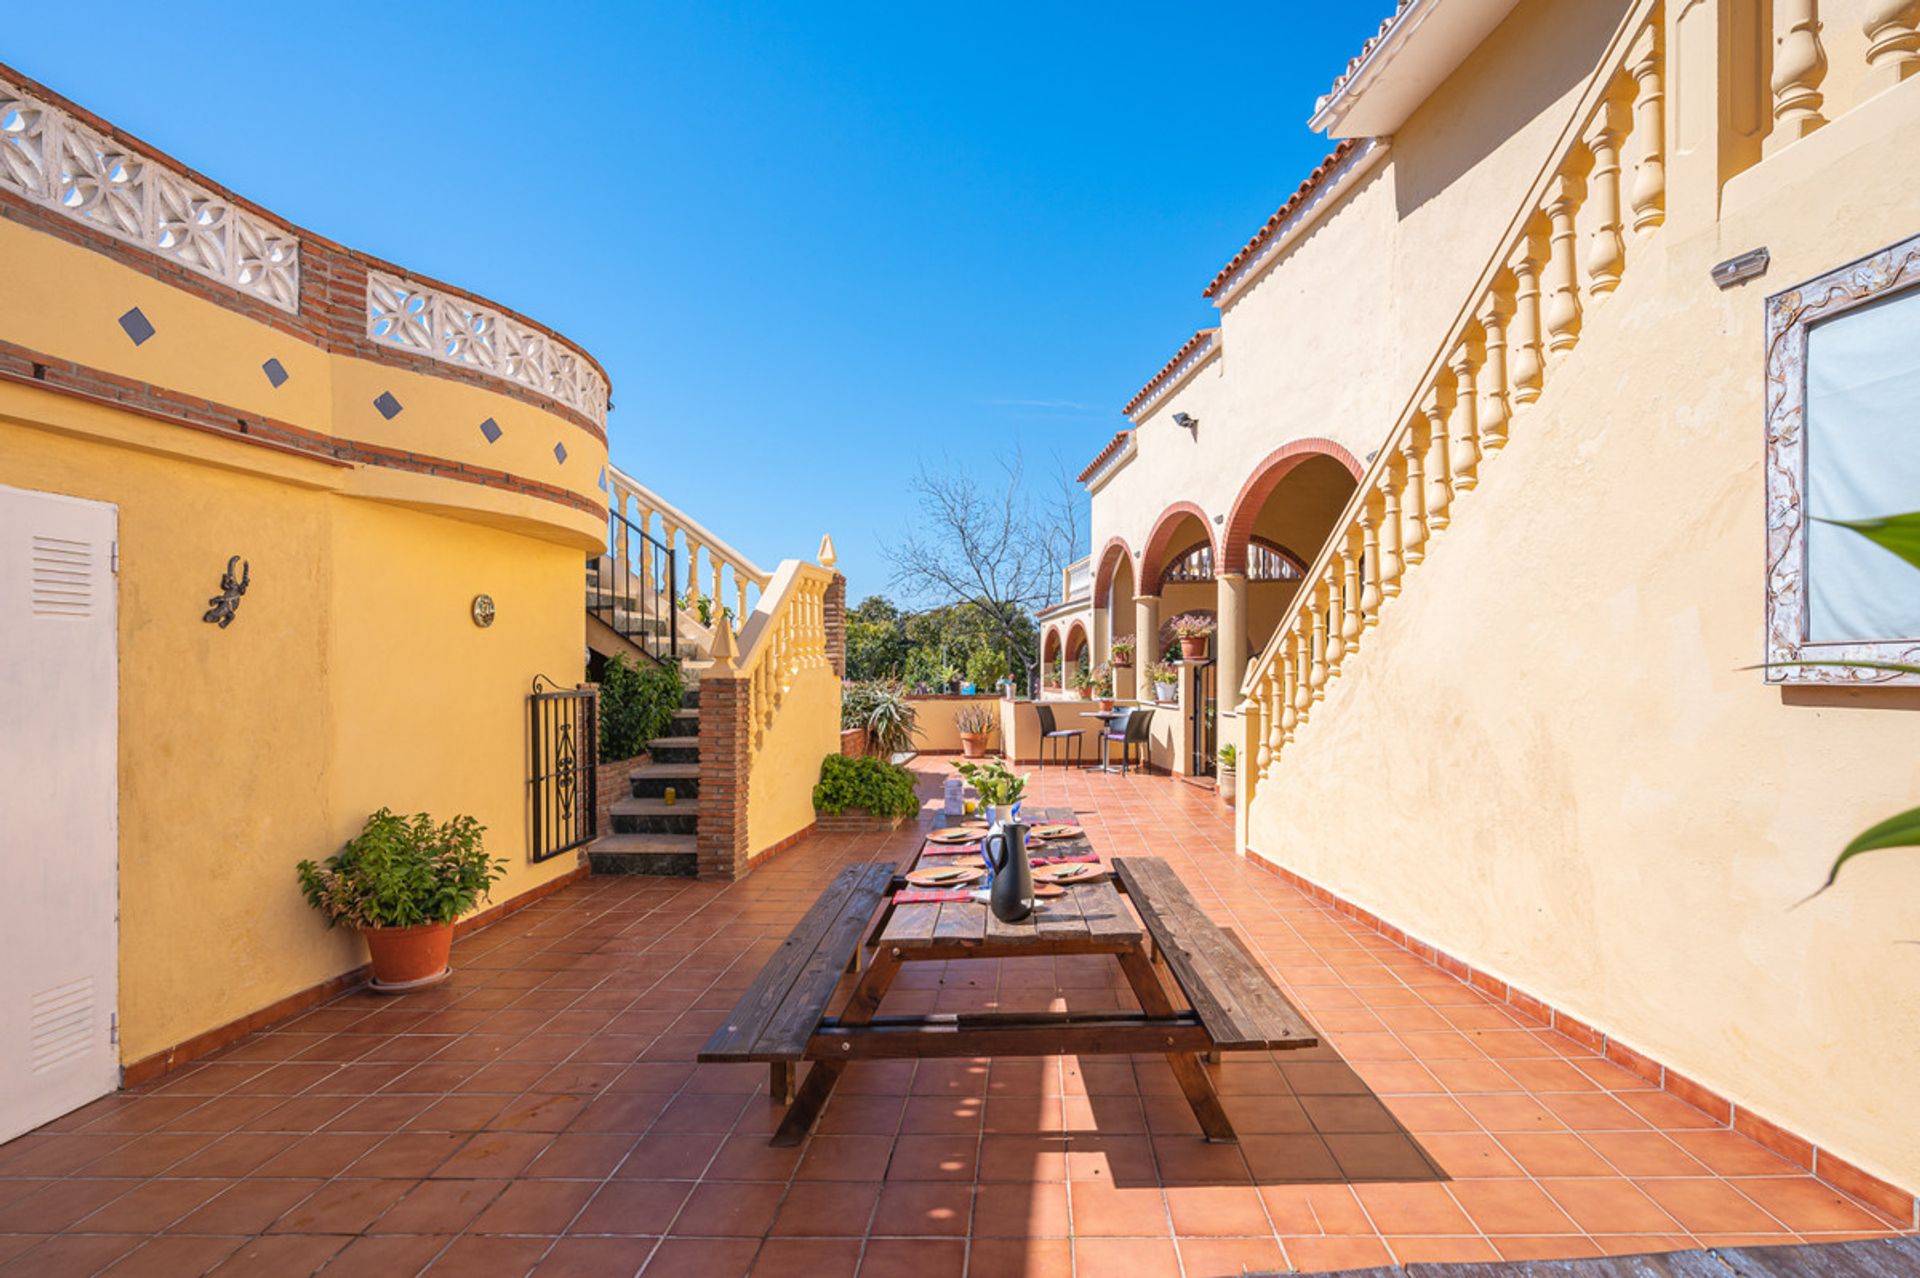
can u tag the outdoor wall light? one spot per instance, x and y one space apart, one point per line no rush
1738 270
1190 423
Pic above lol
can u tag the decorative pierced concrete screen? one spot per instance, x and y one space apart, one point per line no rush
56 161
458 331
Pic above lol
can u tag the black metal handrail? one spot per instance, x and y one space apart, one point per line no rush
632 589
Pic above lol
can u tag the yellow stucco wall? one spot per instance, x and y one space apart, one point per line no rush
353 676
1548 758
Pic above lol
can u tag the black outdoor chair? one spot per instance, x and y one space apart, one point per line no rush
1130 734
1063 739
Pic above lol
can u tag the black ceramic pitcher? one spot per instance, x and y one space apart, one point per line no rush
1011 898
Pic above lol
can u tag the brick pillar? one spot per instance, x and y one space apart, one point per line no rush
724 737
834 615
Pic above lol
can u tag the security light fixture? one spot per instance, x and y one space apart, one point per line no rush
1738 270
1190 423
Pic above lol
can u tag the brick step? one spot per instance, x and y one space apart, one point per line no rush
651 780
653 816
669 855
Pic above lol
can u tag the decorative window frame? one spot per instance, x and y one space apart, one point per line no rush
1789 316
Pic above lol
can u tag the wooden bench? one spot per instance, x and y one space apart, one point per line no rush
779 1013
1238 1003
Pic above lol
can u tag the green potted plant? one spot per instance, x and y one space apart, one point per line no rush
976 723
1120 652
1083 683
948 679
1192 629
1000 789
402 881
1165 679
1103 685
1229 757
879 707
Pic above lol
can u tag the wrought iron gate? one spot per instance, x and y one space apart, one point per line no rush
564 724
1205 734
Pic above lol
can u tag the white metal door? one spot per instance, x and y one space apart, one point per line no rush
59 797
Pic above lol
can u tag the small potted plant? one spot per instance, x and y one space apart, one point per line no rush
1165 679
1103 685
976 723
1193 629
1121 652
402 881
948 680
1229 756
1083 683
1000 789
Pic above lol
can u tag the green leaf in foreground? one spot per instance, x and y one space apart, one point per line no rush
1898 533
1901 831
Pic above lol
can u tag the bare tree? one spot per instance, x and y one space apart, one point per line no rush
992 547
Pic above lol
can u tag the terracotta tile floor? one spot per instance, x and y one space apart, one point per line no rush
542 1113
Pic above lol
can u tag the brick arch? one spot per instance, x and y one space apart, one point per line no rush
1266 477
1153 561
1106 564
1086 642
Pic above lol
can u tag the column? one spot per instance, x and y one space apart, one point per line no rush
1648 193
1146 631
1230 640
1893 44
1799 68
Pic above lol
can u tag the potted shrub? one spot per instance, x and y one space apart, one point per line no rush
883 790
402 881
1103 685
948 679
1165 679
880 708
1000 789
976 724
1229 756
1083 683
1192 629
1121 651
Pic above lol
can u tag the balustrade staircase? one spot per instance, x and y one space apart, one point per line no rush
651 835
1563 255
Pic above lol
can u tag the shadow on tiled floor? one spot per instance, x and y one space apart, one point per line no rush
541 1112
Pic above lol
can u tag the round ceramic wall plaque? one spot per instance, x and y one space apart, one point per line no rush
483 610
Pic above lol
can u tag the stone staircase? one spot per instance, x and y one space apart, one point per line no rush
651 836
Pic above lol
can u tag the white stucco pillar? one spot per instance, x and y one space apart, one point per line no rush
1101 639
1146 630
1230 639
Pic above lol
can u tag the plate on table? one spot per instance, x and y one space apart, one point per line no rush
946 876
1048 889
1078 872
1056 830
956 835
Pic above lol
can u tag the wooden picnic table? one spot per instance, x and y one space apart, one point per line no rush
1217 999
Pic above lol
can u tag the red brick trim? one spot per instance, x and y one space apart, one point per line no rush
1266 477
1115 552
1903 1206
833 620
332 311
148 1068
725 746
24 366
792 841
1153 561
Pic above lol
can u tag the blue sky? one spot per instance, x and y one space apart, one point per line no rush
812 244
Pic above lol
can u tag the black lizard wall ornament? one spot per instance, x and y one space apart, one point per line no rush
227 602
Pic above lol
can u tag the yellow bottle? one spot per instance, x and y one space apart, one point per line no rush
668 796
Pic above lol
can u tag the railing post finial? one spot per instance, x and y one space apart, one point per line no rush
827 558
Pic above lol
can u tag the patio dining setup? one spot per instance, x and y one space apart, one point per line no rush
1032 888
1124 727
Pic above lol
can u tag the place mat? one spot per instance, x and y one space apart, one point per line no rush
945 876
926 896
963 849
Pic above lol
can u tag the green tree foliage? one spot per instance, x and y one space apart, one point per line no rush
884 642
636 705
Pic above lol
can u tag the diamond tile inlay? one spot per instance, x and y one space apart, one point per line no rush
276 373
137 326
560 452
389 406
491 429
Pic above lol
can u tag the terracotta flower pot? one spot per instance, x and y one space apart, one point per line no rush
407 958
1106 703
1193 648
1086 694
1123 663
973 745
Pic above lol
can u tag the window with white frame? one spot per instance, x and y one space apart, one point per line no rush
1843 444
